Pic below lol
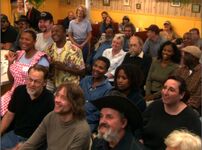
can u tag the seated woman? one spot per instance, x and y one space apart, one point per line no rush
182 140
19 63
168 33
128 79
125 20
167 62
108 23
168 114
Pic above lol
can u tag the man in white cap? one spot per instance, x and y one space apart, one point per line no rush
119 118
191 73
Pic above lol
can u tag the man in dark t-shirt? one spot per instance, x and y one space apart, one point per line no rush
8 33
29 104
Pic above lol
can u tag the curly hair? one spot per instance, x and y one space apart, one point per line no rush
176 57
184 140
76 98
84 10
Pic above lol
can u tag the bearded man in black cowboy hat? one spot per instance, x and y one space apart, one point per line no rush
119 118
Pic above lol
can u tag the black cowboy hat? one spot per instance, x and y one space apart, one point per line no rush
123 105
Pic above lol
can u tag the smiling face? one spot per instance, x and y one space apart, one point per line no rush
116 44
171 93
27 42
167 52
58 33
99 69
45 25
122 81
35 83
111 124
62 103
80 12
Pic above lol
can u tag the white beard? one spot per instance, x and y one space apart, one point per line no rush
109 136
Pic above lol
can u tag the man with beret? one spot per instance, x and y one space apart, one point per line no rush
119 119
8 33
154 41
191 73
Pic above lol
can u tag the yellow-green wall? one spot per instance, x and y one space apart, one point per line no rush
180 24
59 11
5 8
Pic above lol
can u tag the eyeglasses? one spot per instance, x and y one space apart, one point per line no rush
37 82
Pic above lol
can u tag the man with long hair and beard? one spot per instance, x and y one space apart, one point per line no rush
119 119
65 127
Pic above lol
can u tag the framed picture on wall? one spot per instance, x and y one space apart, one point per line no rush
126 2
106 2
196 8
175 3
68 2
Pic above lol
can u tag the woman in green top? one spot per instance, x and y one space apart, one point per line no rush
167 62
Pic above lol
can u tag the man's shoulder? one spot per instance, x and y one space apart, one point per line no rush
12 29
20 89
82 126
47 92
86 79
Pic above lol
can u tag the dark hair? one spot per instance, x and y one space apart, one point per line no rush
61 26
130 25
41 69
32 32
108 27
105 60
133 73
76 98
126 18
182 86
176 57
195 29
104 12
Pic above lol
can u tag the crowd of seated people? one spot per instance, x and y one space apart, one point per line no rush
134 94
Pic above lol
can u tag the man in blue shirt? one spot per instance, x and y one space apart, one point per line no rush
153 42
94 87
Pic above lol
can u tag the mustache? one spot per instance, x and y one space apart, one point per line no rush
103 125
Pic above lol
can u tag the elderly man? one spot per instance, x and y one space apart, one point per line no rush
137 57
64 128
94 87
191 73
154 41
119 119
29 104
196 37
115 55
